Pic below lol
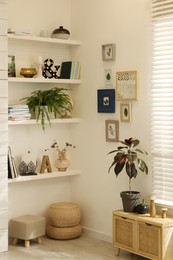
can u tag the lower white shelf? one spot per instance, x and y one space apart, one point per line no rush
41 176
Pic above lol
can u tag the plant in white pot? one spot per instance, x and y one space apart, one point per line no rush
49 102
127 158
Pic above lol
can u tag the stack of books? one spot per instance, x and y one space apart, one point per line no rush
18 112
70 70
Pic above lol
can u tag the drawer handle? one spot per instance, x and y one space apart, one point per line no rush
148 224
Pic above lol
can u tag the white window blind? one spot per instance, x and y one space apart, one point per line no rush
162 100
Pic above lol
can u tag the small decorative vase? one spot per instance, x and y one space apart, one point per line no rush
62 163
61 33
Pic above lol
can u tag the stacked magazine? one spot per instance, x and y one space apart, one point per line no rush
18 112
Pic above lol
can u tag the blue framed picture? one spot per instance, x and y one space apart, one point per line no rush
106 100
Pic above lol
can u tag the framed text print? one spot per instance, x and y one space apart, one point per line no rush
126 85
106 100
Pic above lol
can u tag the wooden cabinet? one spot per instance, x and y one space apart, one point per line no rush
143 235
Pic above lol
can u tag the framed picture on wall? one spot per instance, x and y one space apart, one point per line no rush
11 66
112 130
106 100
126 85
125 112
108 77
108 52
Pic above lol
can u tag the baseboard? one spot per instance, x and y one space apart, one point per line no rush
96 234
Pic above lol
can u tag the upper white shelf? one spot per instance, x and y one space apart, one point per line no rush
41 176
44 39
44 80
53 121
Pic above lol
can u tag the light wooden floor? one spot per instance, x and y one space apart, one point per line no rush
82 248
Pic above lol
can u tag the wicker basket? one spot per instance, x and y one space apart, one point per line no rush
63 233
64 214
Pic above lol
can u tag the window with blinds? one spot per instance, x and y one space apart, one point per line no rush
162 100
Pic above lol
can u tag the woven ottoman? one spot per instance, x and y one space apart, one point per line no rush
64 220
26 228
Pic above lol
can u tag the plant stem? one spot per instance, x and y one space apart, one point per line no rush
130 186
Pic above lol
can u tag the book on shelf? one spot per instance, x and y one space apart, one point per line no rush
18 112
12 169
70 70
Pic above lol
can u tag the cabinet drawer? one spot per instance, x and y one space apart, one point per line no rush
3 27
3 10
3 240
123 233
149 240
3 60
3 88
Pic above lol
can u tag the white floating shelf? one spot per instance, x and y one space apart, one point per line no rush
43 80
53 121
42 176
44 39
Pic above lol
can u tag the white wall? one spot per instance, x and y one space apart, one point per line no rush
127 24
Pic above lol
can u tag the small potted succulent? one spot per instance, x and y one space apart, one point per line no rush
49 102
127 158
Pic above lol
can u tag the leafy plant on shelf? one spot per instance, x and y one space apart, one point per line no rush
49 101
126 156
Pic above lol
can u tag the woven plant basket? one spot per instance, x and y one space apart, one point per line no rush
64 214
63 233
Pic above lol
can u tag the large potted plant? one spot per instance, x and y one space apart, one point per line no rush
127 159
47 103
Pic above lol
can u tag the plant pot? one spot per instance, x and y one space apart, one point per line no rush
130 200
51 115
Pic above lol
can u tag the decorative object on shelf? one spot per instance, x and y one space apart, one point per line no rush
127 156
126 85
28 72
112 130
125 112
11 66
152 206
39 64
49 71
142 208
108 77
61 33
108 52
62 163
106 100
27 166
164 211
45 164
49 101
44 33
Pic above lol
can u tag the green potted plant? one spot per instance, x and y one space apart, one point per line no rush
126 158
47 102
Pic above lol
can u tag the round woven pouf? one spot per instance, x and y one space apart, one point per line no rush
64 214
63 233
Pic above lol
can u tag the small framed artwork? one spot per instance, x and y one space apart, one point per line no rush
126 85
112 130
108 76
125 112
11 66
108 52
106 100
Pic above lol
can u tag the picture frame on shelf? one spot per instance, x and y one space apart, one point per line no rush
112 130
108 52
108 77
11 66
125 112
106 100
126 85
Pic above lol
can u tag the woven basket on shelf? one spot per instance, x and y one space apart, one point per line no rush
63 233
64 214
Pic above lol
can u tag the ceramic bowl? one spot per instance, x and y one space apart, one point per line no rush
28 72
